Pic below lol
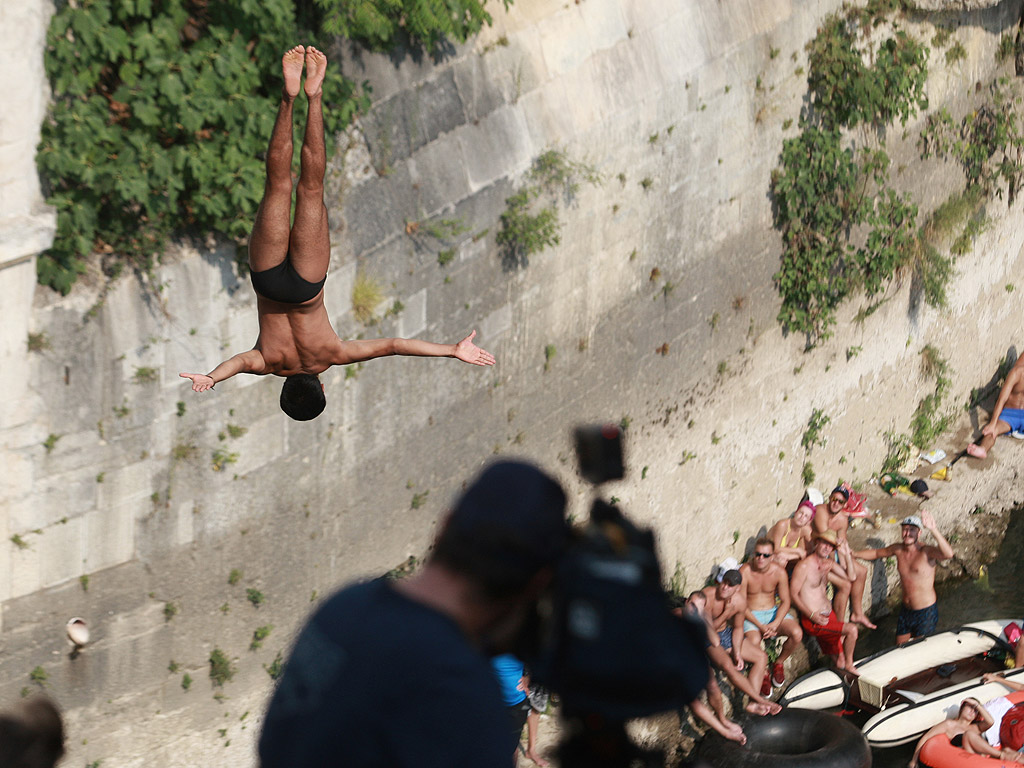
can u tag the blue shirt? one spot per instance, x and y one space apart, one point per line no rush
509 671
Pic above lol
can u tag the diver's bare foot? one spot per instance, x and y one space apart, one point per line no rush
532 755
756 709
291 66
976 451
316 68
862 618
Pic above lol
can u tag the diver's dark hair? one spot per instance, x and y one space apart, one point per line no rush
302 397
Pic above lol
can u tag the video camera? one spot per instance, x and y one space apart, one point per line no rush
608 643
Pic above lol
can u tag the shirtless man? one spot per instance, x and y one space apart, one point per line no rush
916 565
831 516
792 535
807 587
289 267
766 586
724 613
1007 415
713 715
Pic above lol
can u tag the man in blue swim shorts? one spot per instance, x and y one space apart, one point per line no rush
288 263
766 586
1007 415
916 565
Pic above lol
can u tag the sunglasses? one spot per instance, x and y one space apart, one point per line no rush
762 554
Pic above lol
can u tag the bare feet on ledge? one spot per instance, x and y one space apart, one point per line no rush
976 451
291 66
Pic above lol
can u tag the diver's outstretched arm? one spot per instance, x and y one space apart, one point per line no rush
244 362
368 349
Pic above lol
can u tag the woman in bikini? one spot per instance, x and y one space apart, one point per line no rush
791 535
966 732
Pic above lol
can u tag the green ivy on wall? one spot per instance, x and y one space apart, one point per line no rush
843 228
160 117
381 25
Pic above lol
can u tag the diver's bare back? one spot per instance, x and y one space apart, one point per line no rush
296 338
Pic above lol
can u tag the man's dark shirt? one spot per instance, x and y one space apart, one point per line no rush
376 679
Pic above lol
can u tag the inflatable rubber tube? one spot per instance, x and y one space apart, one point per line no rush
794 738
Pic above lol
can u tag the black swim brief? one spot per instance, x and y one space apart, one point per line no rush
282 283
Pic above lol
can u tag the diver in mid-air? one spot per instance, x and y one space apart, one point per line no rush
289 267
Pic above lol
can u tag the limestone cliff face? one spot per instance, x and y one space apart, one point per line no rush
656 309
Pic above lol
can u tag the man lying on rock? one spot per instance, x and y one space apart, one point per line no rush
289 263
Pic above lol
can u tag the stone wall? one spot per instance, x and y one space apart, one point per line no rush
133 499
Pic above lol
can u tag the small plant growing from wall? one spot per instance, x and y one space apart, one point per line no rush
276 668
255 597
221 668
170 611
366 297
897 451
549 355
37 342
813 435
39 676
807 473
259 635
221 459
528 226
234 576
145 375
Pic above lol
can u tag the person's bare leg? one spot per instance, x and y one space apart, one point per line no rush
841 589
718 706
532 726
980 449
268 243
794 636
849 643
701 710
758 663
758 704
857 597
310 241
1018 656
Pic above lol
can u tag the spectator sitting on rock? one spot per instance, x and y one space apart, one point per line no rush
766 589
1007 415
791 536
832 516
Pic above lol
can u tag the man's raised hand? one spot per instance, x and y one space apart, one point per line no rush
468 352
200 381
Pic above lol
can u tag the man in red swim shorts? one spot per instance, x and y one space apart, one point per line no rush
807 587
289 263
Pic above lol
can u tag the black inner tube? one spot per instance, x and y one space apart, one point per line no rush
794 738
